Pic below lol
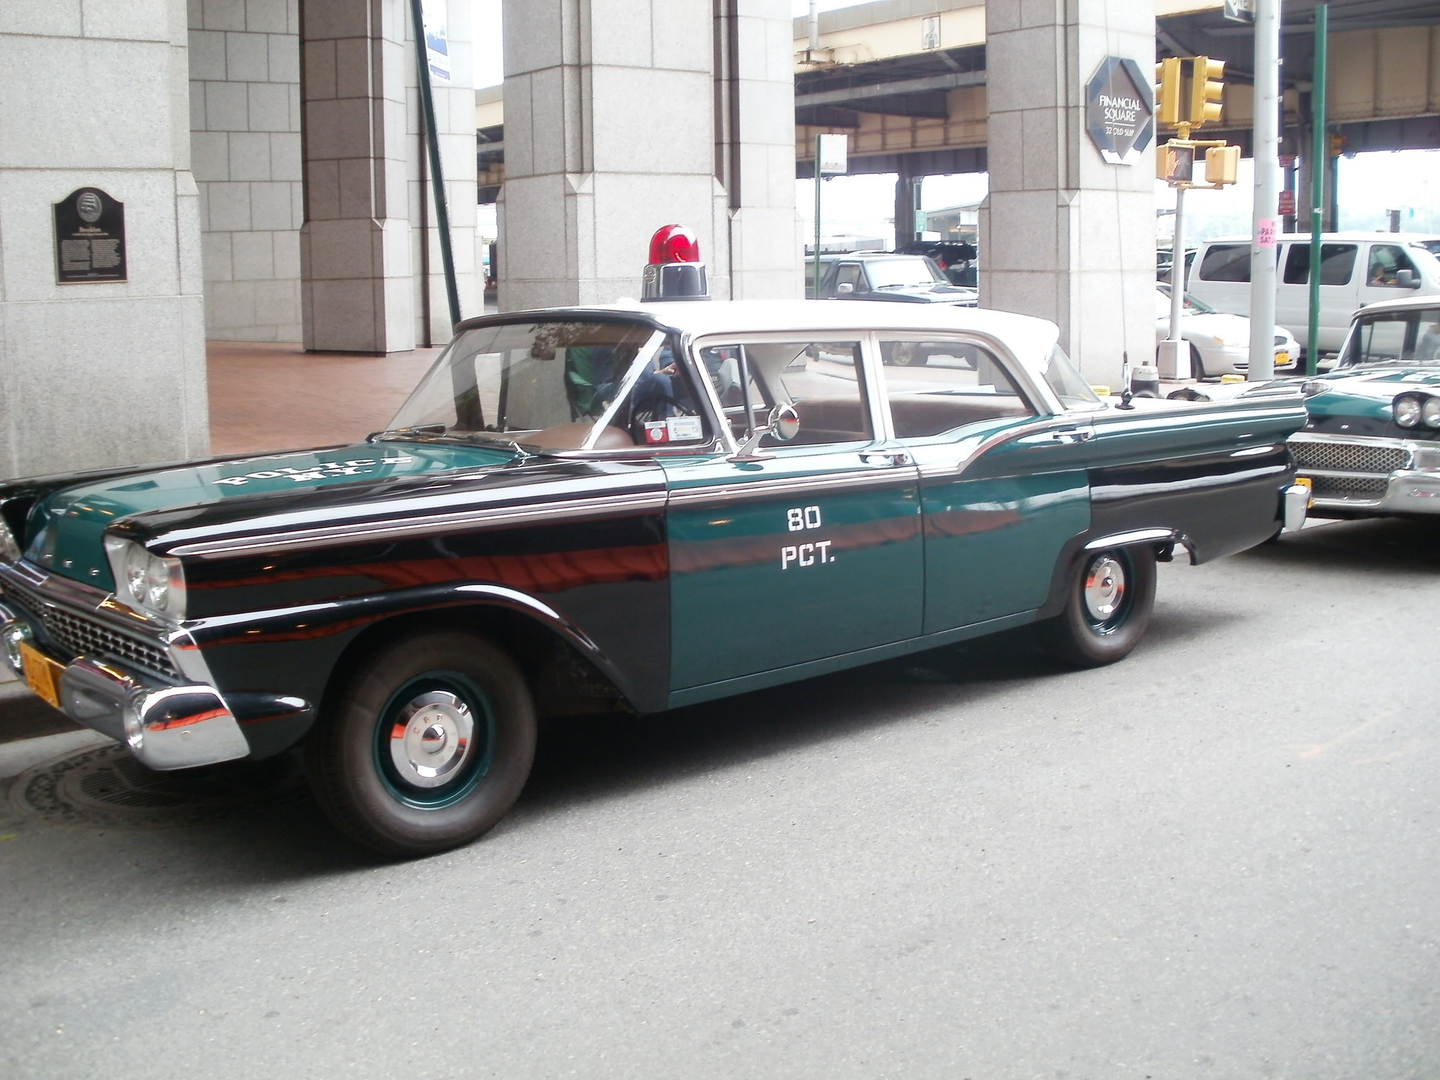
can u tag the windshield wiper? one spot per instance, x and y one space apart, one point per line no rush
406 432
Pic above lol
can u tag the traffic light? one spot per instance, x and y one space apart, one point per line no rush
1222 165
1167 91
1206 91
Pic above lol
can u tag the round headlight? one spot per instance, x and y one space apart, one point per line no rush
157 585
135 574
1407 411
1430 412
145 581
9 549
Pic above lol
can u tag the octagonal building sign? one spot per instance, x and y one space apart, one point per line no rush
1119 110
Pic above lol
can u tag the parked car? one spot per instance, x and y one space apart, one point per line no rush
1371 442
1356 270
913 279
1164 263
958 262
1219 343
632 507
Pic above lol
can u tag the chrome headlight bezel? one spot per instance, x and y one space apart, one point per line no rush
1407 409
152 584
9 545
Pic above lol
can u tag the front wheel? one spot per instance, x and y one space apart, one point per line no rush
1107 607
427 746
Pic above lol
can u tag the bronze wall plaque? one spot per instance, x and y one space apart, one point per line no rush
89 238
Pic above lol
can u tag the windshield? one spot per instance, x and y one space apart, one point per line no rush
1395 337
904 272
1066 382
556 383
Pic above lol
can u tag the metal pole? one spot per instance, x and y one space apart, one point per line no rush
437 178
816 291
1318 150
1267 190
814 25
1177 281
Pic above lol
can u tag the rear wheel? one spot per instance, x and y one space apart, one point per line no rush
427 746
1107 607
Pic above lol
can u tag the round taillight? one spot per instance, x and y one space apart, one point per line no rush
674 244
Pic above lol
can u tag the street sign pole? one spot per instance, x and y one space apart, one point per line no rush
1318 150
1267 191
815 291
1174 344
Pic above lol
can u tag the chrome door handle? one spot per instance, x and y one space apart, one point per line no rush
886 457
1073 435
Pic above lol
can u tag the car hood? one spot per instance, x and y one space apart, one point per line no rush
1368 391
65 527
922 294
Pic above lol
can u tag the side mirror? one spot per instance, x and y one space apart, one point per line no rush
1406 279
783 423
845 288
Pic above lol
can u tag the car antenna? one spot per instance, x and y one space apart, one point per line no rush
1126 395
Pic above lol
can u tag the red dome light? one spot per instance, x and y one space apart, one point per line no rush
674 244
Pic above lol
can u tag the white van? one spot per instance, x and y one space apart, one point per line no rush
1355 269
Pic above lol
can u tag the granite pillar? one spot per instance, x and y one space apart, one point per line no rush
1063 234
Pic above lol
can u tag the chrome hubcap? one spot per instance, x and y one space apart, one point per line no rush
432 739
1104 589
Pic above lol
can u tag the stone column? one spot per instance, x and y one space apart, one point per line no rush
101 372
1063 234
355 246
625 115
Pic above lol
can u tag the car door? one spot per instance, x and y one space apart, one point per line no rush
809 551
1003 480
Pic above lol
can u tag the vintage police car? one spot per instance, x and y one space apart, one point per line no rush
634 507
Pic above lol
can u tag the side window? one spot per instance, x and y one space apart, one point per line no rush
1337 263
1382 339
851 274
937 386
823 379
1386 262
1226 262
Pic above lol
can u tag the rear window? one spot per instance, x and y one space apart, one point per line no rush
1226 262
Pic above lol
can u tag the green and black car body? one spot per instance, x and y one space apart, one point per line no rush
617 508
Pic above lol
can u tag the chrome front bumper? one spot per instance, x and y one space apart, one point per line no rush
167 727
1369 474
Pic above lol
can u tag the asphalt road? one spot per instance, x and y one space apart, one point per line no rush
1216 859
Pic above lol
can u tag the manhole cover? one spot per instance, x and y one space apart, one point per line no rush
105 785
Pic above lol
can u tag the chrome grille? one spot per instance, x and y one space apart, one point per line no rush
82 634
1350 487
1349 457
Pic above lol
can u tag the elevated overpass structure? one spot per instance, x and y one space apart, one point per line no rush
907 80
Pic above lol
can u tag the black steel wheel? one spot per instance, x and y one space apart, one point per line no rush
1107 607
427 746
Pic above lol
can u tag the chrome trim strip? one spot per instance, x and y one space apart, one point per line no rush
1134 536
974 447
875 476
426 525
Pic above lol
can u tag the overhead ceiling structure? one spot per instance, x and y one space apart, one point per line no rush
1384 76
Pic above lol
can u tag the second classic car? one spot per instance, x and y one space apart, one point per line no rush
607 508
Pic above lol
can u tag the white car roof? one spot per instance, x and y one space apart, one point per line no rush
1029 338
1343 237
1404 303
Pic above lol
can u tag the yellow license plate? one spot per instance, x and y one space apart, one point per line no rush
1281 359
1304 481
42 674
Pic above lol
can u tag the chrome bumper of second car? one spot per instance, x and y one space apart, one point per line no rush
166 727
1367 474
